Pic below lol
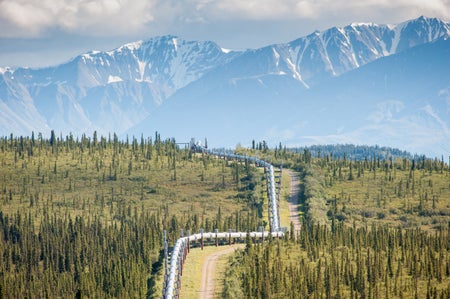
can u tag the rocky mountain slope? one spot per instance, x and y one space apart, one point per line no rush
197 88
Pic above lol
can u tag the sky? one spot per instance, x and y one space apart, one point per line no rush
49 32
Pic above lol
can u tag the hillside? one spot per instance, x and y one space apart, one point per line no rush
387 102
373 228
326 87
86 217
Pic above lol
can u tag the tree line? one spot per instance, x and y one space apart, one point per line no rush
344 262
373 227
84 217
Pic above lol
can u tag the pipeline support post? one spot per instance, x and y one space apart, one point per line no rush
217 239
261 230
201 238
188 241
172 284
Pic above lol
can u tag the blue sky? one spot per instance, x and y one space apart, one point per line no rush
47 32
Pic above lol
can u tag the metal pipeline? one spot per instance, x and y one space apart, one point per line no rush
180 245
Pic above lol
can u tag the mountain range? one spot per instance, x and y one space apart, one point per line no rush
360 84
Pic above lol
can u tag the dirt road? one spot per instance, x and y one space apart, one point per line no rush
294 201
209 265
209 274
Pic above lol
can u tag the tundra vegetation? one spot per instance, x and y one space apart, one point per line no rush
372 228
84 217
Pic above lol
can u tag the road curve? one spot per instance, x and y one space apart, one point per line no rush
172 277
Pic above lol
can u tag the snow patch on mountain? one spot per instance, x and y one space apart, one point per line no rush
127 47
4 70
142 65
116 90
114 79
175 43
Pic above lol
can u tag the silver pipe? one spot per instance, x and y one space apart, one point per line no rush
182 242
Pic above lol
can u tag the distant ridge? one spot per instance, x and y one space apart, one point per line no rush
139 87
355 152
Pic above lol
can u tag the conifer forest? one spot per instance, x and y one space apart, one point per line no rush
84 218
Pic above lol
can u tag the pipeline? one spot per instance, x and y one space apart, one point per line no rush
182 244
274 221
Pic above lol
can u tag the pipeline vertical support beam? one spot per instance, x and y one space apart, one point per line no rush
181 260
172 284
188 241
201 239
261 230
217 239
178 282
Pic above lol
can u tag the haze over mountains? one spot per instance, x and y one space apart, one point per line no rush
362 84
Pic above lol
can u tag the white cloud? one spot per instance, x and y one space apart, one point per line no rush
317 9
386 111
413 133
281 134
435 116
25 18
403 133
39 33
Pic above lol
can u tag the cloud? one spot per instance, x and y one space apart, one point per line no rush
318 9
386 111
27 18
404 134
413 133
281 134
39 33
435 117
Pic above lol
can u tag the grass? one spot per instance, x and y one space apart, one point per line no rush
191 280
106 184
395 197
391 194
192 274
94 184
284 200
291 256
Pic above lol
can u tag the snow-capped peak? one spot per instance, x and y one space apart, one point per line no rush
5 69
115 90
130 46
362 24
